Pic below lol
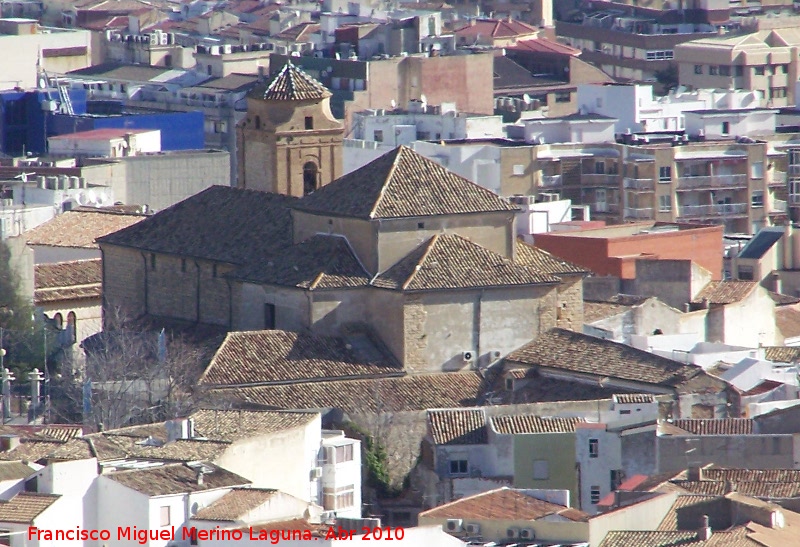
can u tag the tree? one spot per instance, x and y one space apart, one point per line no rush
667 79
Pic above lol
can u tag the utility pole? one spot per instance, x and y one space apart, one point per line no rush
7 378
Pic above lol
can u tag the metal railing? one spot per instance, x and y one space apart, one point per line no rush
603 207
645 185
598 179
551 180
720 209
712 181
779 206
642 213
778 178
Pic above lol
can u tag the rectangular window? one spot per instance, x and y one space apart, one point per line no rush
595 495
165 521
309 122
758 70
698 69
738 71
665 174
757 198
617 476
344 453
726 128
724 70
664 204
563 97
784 69
458 467
594 448
713 70
599 168
339 498
541 470
269 316
757 170
519 169
377 135
746 273
152 261
423 135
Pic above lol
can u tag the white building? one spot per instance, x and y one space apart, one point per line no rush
106 143
341 474
582 127
717 124
637 110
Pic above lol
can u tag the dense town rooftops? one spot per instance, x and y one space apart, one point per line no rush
179 478
724 292
458 426
503 504
235 504
525 424
77 279
291 84
25 506
80 228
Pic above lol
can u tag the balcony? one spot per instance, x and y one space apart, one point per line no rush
641 213
551 181
603 207
779 207
778 178
687 184
639 185
596 179
705 211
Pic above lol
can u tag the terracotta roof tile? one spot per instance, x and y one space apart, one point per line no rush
277 357
544 262
581 353
597 311
727 426
235 504
501 504
496 28
176 478
68 280
298 32
458 426
781 354
320 262
80 228
763 490
787 318
401 184
751 475
670 521
25 506
15 470
442 390
231 425
543 45
220 223
515 425
448 261
735 537
634 398
724 292
291 84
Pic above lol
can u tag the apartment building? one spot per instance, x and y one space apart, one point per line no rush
765 62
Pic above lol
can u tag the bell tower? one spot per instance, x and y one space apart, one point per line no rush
289 142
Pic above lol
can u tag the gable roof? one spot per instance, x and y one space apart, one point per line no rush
515 425
178 478
787 319
320 262
401 184
235 504
449 261
25 506
76 279
544 262
725 292
782 354
279 357
501 504
220 223
458 426
290 84
727 426
566 350
79 228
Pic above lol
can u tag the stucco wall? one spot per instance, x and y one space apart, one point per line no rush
558 449
741 451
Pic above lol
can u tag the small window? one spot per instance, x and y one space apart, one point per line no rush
664 204
757 198
599 168
563 97
344 453
617 476
757 170
758 70
72 327
377 135
58 321
420 225
152 261
594 448
269 316
595 495
713 70
665 174
509 384
784 69
726 128
208 69
541 470
724 70
165 520
746 273
698 69
309 122
458 467
624 412
183 265
519 169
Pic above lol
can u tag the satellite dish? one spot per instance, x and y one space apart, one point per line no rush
526 99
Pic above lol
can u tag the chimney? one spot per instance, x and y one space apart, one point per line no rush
200 478
704 533
695 473
730 486
9 442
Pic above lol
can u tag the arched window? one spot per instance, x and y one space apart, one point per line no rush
72 327
58 321
309 177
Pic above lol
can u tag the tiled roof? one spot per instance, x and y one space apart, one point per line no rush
634 398
25 506
231 425
501 504
276 357
80 228
515 425
580 353
597 311
787 319
670 521
543 45
540 389
220 223
724 292
496 28
298 32
291 84
401 184
544 262
320 262
441 390
448 261
735 537
764 490
235 504
727 426
783 299
10 471
68 280
458 426
781 354
751 475
177 478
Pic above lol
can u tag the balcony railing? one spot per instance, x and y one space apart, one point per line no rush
550 181
712 181
794 199
778 178
603 207
641 213
794 170
779 206
597 179
723 209
642 185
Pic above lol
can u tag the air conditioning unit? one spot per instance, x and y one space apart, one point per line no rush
473 529
468 356
512 533
527 533
453 525
316 473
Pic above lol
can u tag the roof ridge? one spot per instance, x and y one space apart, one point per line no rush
430 244
387 181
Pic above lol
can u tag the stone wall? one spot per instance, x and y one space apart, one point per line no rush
123 282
